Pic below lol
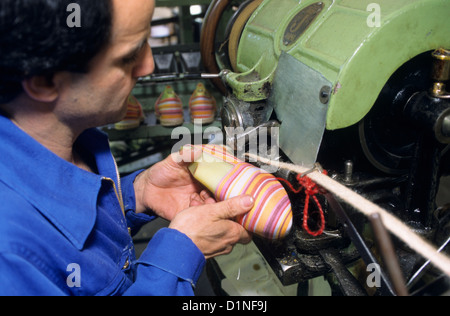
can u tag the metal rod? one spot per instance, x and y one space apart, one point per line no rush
359 243
416 277
177 76
211 76
387 250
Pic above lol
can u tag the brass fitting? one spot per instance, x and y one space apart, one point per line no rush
440 73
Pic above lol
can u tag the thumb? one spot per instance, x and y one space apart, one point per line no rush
232 208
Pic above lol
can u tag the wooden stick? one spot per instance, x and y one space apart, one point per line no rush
392 223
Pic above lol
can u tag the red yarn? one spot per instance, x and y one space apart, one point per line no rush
311 190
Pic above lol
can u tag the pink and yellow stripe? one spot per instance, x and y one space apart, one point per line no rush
271 216
202 105
169 108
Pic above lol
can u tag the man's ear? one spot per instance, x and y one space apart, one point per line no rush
41 88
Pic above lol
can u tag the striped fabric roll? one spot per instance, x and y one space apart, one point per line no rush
134 117
169 108
271 216
202 106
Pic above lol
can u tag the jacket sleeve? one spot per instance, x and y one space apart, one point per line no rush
134 221
170 266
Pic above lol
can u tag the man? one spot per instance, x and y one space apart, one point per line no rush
65 216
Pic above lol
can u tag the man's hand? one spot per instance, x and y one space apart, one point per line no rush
170 191
211 225
168 187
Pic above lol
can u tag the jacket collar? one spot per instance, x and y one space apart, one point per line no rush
65 194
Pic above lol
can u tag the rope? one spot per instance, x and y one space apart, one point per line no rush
311 190
368 208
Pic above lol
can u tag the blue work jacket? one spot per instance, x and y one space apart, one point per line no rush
66 231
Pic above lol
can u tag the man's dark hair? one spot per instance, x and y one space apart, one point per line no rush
35 39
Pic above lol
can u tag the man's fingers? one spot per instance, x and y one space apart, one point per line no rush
234 207
187 155
201 199
212 226
205 195
246 237
196 200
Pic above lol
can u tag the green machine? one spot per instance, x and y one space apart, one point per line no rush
356 85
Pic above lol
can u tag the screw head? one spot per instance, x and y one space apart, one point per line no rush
324 94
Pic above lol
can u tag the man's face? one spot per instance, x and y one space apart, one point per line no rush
99 97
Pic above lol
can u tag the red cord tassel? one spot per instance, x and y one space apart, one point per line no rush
311 190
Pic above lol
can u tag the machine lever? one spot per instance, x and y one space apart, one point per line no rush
388 254
348 283
358 241
180 76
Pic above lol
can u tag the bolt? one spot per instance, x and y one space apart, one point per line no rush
348 172
324 94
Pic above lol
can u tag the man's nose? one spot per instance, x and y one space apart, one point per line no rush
147 65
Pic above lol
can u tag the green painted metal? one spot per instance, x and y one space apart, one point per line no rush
343 45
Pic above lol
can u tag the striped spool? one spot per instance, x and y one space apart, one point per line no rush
202 106
271 217
169 108
134 116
